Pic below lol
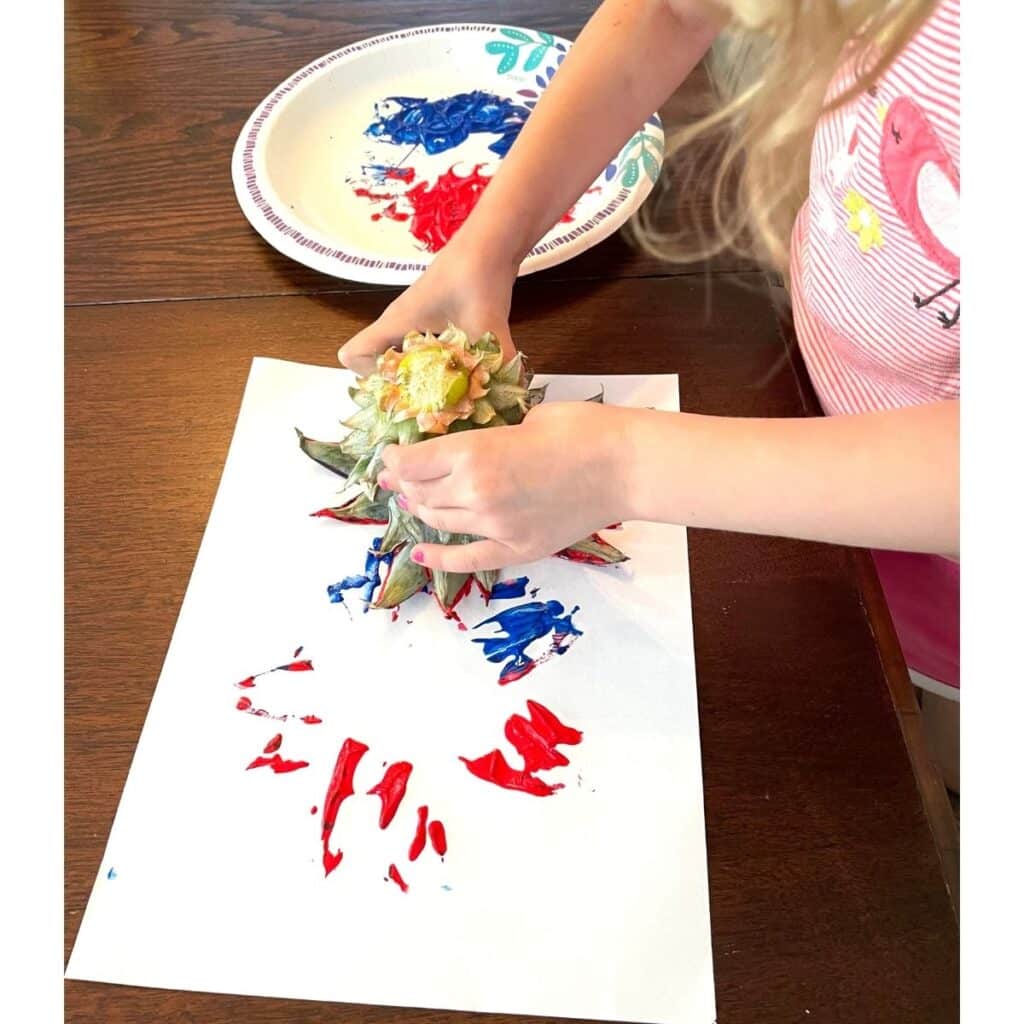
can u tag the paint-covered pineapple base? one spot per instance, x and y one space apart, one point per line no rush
433 385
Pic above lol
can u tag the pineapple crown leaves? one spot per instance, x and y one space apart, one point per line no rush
433 385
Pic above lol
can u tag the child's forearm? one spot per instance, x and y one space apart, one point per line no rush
629 58
885 479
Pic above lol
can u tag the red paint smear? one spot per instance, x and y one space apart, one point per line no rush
420 839
391 212
339 789
494 768
244 704
391 789
517 673
247 683
536 738
438 840
313 809
439 211
405 174
394 615
274 744
581 556
397 878
278 764
376 197
296 666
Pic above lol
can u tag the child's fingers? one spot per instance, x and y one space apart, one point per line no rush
431 494
451 520
475 557
360 352
427 460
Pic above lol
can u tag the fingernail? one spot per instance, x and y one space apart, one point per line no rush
384 482
403 502
417 556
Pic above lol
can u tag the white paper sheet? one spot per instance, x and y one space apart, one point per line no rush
591 902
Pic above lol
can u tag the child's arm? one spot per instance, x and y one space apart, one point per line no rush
881 479
627 60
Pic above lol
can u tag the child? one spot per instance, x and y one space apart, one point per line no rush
866 237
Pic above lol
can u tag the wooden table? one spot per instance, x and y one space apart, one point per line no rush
828 900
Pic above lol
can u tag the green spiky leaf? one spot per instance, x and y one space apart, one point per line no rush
447 586
512 372
594 551
355 445
359 509
483 412
328 454
506 396
363 419
535 396
487 578
409 432
404 579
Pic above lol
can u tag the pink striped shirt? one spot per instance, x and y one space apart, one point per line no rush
876 284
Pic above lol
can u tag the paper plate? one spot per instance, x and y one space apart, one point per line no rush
360 164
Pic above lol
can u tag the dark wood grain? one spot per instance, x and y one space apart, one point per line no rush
155 96
827 898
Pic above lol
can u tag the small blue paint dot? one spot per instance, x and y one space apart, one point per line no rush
447 888
111 874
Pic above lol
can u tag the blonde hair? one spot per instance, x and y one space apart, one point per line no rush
770 70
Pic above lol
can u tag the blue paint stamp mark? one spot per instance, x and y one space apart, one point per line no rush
522 625
504 590
367 581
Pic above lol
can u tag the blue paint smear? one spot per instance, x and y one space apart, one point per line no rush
442 124
505 589
522 625
447 888
368 580
111 874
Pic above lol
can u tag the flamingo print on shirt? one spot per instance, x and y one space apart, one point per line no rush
924 186
876 254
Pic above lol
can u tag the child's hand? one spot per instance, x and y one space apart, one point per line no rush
461 286
530 490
